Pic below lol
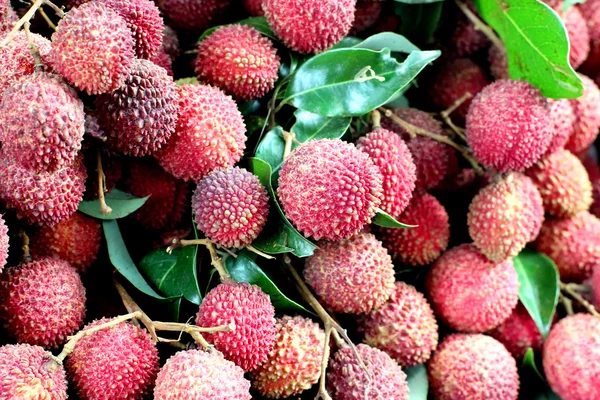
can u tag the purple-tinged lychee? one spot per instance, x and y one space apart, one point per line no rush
191 15
587 117
163 60
254 7
170 43
366 15
518 333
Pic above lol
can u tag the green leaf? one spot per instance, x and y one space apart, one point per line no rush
529 362
352 82
258 23
536 44
391 40
243 269
385 220
538 287
311 126
418 384
399 102
348 41
274 237
122 205
271 147
419 21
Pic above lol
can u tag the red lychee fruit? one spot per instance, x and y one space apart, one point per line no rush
163 60
42 302
354 275
518 333
76 240
570 358
471 293
424 243
26 372
509 126
393 159
535 208
587 117
347 379
294 363
8 16
119 362
333 178
577 32
191 15
210 134
140 117
590 10
239 60
563 117
92 48
473 367
231 207
196 374
466 39
170 43
366 15
573 243
498 62
254 7
251 311
310 26
404 327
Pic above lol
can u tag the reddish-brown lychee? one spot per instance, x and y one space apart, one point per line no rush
366 15
163 60
191 15
518 333
595 207
254 7
498 62
587 117
466 39
170 43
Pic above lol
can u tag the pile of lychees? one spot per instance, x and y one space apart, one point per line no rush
103 95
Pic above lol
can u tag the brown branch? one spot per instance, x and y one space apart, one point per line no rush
57 10
215 259
104 208
479 24
571 290
47 19
260 253
460 132
26 257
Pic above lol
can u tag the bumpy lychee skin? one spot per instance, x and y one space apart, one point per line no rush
509 125
141 115
191 15
471 293
518 333
473 367
424 243
563 183
535 208
347 380
563 118
42 302
196 374
294 363
3 243
354 275
76 240
502 219
570 357
123 355
92 48
254 7
310 26
587 117
393 159
210 134
239 60
230 207
250 309
404 327
163 60
8 16
41 122
466 39
25 374
573 243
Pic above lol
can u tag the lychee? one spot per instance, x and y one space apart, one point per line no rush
354 275
191 15
254 7
310 26
518 333
347 380
294 363
473 367
587 117
590 10
466 39
163 60
239 60
563 118
577 31
570 358
470 293
366 15
8 16
210 134
393 159
42 302
509 126
498 61
535 208
333 178
118 362
170 43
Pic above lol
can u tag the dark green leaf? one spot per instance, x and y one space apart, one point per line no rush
548 394
536 44
418 22
385 220
389 40
274 237
311 126
122 205
400 102
352 82
348 41
538 287
529 362
418 385
271 147
258 23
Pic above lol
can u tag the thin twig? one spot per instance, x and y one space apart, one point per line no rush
288 138
26 257
446 115
215 259
260 253
375 119
323 394
571 291
47 19
567 303
26 18
479 24
104 208
35 52
57 10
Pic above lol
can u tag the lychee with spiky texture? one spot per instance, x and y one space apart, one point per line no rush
122 354
563 118
573 244
473 367
329 177
239 60
469 292
294 363
404 327
163 60
518 333
502 219
366 15
535 208
230 207
353 276
254 7
8 17
76 240
310 26
196 374
577 31
347 379
509 126
93 48
466 39
570 358
191 15
587 117
26 372
424 243
42 302
141 115
251 311
393 159
210 134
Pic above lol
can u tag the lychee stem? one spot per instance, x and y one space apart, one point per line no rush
288 138
567 303
57 10
571 290
26 257
104 208
479 24
35 52
323 394
260 253
375 119
215 259
446 115
47 19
